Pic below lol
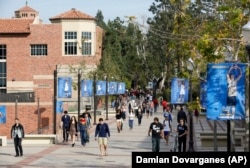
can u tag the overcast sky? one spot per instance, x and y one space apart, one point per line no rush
110 8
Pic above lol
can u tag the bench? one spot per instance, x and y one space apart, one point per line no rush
207 139
39 139
3 141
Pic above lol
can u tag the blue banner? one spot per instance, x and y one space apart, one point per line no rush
226 91
121 88
64 87
59 107
203 94
179 91
100 88
112 88
87 88
2 114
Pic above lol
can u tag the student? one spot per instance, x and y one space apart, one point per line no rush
17 132
131 117
156 128
182 135
167 128
102 131
73 129
65 126
118 117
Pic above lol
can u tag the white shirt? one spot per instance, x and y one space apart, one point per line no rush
166 125
131 116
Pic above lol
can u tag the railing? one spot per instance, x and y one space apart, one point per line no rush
20 97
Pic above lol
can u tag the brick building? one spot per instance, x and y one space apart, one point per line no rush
30 54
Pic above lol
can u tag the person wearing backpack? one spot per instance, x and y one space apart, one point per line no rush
167 128
102 131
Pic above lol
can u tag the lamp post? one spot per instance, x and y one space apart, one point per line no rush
79 93
190 67
106 98
246 37
95 103
16 102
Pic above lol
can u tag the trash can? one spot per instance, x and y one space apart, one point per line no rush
88 107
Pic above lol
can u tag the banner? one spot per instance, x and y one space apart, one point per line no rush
59 107
226 91
2 114
64 87
179 91
100 88
112 88
203 94
121 88
87 88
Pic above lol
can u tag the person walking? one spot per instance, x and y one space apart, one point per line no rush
65 126
17 132
88 126
83 129
156 128
139 115
167 128
73 129
118 117
102 131
181 115
182 135
131 117
196 114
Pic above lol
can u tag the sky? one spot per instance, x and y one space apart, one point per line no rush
110 8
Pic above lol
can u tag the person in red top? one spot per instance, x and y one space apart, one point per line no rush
164 104
155 101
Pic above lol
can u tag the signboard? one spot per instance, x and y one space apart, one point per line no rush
179 91
112 88
87 88
2 114
64 87
121 88
59 107
100 88
226 91
203 94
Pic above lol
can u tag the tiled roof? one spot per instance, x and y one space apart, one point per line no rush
72 14
26 9
15 25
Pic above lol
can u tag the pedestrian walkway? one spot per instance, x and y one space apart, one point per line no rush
120 146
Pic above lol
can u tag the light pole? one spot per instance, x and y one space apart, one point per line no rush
79 93
16 102
190 67
106 98
95 102
246 37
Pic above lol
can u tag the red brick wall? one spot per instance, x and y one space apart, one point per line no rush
22 67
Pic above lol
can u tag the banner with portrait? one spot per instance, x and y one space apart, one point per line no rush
203 94
59 107
87 88
112 88
2 114
64 87
121 88
179 91
226 91
100 88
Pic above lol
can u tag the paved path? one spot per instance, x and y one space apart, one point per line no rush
120 146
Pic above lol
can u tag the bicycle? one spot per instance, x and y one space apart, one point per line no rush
175 145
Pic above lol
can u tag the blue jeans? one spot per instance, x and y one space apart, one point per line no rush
130 123
156 144
83 135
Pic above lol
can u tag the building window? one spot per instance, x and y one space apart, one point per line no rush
70 48
39 49
2 51
86 48
86 35
70 35
86 43
2 74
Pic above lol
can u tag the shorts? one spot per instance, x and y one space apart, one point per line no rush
166 133
103 141
231 100
118 120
